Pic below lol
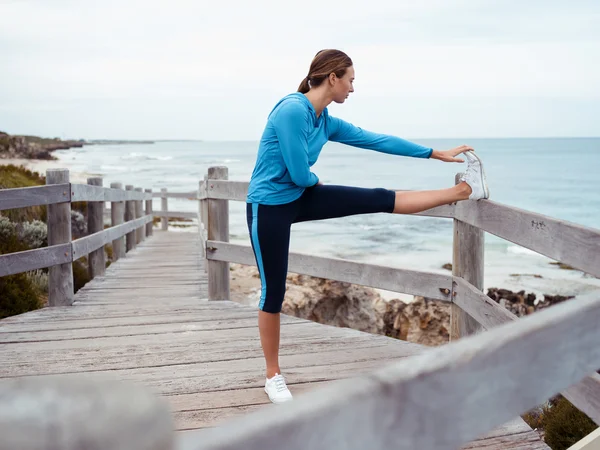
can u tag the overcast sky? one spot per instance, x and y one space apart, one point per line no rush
196 69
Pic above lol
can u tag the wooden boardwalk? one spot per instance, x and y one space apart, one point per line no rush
148 321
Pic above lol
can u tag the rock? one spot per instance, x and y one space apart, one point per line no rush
32 147
447 266
522 304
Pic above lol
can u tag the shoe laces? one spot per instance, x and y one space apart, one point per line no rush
471 169
279 383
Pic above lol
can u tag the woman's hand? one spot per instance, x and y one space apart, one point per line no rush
450 155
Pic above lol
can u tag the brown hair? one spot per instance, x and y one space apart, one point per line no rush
323 64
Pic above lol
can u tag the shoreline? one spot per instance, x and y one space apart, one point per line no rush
41 165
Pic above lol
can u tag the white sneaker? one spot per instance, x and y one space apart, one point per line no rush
475 177
277 390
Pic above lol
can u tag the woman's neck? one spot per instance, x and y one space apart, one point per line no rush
319 99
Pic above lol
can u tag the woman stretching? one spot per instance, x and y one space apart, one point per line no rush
283 190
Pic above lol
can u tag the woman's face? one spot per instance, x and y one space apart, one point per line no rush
342 87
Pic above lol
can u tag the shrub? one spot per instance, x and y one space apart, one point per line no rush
11 177
39 280
564 425
81 275
33 234
17 295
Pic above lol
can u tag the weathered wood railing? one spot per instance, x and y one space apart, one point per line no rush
130 226
472 312
405 405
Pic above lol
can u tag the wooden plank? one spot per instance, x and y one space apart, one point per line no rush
552 349
117 217
479 306
563 241
39 258
590 442
87 193
140 232
130 242
218 230
34 196
176 214
138 357
193 195
164 208
436 286
586 396
97 257
87 244
467 263
60 276
59 413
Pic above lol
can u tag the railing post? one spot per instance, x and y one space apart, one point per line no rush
81 413
150 224
164 208
218 230
140 233
60 278
130 215
117 216
467 263
97 258
204 213
202 204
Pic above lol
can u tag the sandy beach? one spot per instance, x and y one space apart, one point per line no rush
41 165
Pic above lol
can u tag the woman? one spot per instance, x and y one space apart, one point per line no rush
284 191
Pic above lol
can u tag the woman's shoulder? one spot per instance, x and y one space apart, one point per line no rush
294 104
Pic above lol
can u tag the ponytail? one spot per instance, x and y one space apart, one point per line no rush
323 64
304 86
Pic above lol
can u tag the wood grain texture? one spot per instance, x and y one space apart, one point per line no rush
148 211
34 196
140 232
563 241
71 413
405 405
467 262
429 285
91 193
60 276
97 257
85 245
130 242
39 258
164 209
117 217
182 195
148 321
218 230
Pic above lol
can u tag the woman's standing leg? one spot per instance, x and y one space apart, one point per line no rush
269 228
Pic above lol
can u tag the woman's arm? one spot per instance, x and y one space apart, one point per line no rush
346 133
291 126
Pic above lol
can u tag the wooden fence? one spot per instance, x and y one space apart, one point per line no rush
550 351
438 400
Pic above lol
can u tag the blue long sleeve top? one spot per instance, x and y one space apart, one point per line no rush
291 144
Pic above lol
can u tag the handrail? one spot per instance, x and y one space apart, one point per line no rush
577 245
405 405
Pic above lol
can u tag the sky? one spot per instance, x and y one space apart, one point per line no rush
197 69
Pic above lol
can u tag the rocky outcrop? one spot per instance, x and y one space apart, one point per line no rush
520 303
31 147
422 321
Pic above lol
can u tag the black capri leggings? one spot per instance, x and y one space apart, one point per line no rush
269 227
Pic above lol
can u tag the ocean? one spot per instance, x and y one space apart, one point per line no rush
558 177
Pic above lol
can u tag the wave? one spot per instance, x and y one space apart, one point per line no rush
142 157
